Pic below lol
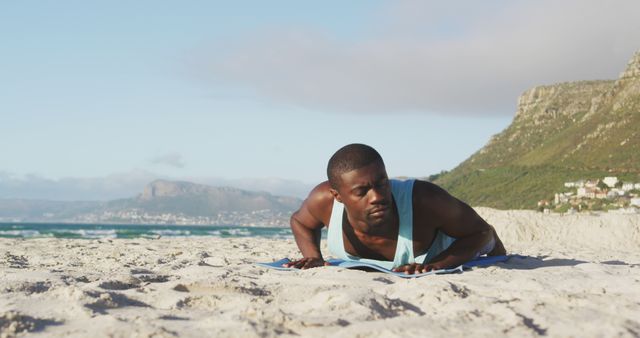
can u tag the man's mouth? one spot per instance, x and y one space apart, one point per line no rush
377 212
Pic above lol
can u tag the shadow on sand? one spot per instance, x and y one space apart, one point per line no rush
529 263
19 323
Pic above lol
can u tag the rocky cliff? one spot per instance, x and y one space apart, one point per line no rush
562 131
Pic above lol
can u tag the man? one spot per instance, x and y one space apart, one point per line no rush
411 226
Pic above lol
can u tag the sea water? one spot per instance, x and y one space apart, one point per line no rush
93 231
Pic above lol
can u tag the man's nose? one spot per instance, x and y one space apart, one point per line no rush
376 196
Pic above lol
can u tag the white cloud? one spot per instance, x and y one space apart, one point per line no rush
422 56
127 185
121 185
171 159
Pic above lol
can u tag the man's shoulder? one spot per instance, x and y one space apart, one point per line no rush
321 194
426 185
427 193
320 201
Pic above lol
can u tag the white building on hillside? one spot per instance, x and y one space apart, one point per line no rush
613 193
561 198
635 201
619 192
610 181
627 186
586 192
576 184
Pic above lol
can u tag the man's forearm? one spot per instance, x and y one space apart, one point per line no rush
308 240
463 250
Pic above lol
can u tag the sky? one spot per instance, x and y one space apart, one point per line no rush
98 98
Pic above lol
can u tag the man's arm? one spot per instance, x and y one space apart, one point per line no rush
306 225
456 219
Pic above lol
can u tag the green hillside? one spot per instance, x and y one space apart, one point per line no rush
563 132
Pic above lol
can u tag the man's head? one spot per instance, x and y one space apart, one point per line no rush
359 180
350 157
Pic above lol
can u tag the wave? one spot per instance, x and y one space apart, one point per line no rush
167 232
85 233
99 231
21 233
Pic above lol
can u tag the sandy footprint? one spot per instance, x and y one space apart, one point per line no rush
102 301
13 323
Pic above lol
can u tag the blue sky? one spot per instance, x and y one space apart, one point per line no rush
205 90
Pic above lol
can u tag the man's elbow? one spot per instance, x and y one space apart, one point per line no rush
294 223
292 220
485 233
479 235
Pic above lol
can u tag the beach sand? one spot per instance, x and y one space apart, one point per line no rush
581 278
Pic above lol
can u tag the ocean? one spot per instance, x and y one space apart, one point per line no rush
95 231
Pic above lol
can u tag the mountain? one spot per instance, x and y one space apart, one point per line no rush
201 200
562 132
162 201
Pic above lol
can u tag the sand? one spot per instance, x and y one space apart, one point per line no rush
581 278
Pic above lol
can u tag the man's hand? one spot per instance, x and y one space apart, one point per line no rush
306 263
411 269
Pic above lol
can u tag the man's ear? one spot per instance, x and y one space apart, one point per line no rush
335 194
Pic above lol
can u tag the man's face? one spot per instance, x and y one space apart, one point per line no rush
366 194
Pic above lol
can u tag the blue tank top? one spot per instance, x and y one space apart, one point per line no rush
402 192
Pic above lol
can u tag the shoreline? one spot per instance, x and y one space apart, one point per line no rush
620 211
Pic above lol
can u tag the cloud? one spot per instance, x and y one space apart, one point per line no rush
171 159
120 185
272 185
424 56
127 185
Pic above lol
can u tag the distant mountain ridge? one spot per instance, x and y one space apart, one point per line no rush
162 201
203 200
561 132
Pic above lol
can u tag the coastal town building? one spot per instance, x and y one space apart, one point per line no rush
586 192
591 184
627 186
576 184
610 181
264 217
608 193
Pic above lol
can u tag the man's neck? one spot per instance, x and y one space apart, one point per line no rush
387 230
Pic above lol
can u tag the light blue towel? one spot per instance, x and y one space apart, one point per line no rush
340 263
